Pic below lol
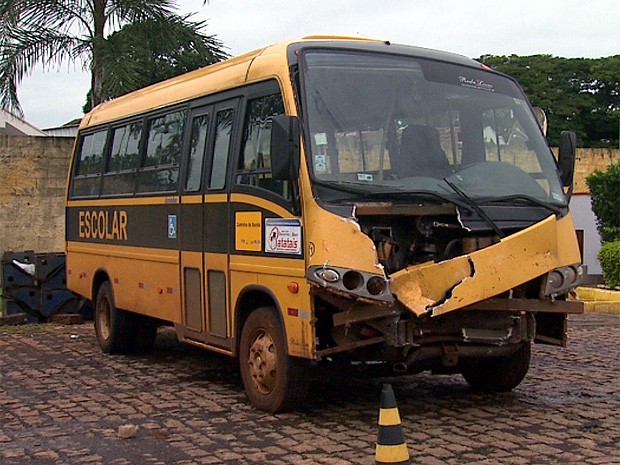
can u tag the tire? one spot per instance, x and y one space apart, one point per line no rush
273 381
115 328
499 374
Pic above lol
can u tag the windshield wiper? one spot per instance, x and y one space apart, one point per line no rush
552 208
353 187
384 190
476 208
427 194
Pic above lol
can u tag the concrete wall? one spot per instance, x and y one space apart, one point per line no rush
33 175
589 160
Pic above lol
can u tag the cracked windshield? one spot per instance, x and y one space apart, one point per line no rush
386 127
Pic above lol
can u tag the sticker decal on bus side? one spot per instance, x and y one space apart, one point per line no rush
248 231
283 236
172 226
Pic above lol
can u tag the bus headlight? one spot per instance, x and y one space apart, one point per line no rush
562 280
376 285
351 283
327 274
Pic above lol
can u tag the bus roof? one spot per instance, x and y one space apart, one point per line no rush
270 61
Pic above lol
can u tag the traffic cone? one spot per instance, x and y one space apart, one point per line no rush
391 448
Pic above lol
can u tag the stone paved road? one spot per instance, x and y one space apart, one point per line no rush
62 401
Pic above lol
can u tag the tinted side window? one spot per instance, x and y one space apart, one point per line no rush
89 164
160 166
125 147
198 144
255 161
224 121
124 158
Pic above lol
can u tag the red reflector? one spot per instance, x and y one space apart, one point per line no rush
293 312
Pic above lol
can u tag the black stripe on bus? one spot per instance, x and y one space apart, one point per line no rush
166 226
153 226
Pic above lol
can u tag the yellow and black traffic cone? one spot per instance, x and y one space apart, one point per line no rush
391 448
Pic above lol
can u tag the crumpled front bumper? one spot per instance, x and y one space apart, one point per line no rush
438 288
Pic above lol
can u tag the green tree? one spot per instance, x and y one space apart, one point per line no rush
605 189
150 51
51 32
605 84
578 94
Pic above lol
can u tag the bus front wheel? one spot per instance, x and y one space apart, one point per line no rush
114 327
273 381
498 374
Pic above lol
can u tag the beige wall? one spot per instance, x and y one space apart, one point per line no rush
589 160
33 174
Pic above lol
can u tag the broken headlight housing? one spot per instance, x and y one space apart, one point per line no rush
351 283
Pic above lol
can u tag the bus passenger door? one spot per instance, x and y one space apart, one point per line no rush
205 221
191 235
216 226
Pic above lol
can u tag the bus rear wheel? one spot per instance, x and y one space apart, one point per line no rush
499 374
273 381
115 328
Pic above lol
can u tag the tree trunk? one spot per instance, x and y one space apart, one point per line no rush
97 75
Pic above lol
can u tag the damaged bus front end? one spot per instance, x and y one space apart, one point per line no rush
438 229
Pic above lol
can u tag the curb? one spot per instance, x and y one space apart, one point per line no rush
599 300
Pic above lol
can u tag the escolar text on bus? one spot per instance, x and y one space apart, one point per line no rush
111 225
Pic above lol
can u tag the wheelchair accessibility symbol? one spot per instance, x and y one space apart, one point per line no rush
172 226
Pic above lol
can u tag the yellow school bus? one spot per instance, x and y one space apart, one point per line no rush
327 202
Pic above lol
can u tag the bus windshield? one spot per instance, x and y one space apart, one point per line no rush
391 126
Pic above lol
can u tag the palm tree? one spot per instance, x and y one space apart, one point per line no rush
51 32
149 51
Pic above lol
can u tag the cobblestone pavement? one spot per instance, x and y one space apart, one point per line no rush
62 402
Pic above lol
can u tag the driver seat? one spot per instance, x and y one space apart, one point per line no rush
421 153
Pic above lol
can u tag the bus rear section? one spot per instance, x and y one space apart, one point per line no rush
327 203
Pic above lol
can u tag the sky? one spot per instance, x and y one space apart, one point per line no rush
566 28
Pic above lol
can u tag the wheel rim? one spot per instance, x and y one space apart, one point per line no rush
263 362
104 316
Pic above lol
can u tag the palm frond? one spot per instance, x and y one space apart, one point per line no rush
26 49
51 31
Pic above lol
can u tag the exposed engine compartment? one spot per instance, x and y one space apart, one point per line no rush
403 241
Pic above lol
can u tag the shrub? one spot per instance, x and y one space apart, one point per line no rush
605 189
609 256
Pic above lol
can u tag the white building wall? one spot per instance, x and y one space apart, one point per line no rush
11 125
581 208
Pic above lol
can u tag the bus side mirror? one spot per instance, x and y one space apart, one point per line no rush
566 157
285 150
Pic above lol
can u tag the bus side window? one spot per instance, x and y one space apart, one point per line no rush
160 166
86 182
119 177
254 167
223 132
198 143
